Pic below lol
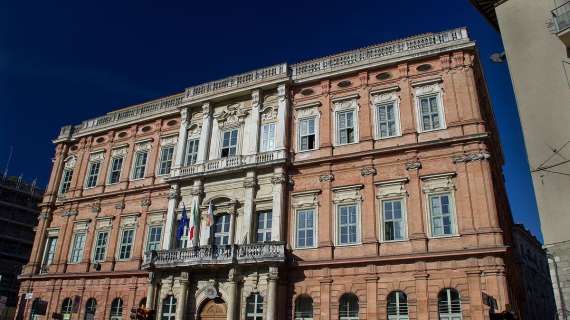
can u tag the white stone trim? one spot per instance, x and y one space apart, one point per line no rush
426 90
303 112
384 97
347 195
349 103
438 184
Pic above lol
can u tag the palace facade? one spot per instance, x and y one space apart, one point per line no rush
364 185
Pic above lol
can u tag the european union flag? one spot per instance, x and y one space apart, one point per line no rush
183 223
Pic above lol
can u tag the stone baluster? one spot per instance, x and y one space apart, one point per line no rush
283 109
170 227
205 133
182 137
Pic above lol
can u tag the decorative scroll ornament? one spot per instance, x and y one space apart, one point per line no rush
210 292
278 179
169 140
119 152
70 162
96 207
438 183
477 156
268 114
347 194
143 146
173 194
413 165
234 115
206 109
350 103
145 203
194 130
326 178
368 171
196 190
99 156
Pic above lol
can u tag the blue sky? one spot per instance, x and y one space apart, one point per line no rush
62 62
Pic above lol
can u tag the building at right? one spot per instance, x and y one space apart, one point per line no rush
398 207
536 37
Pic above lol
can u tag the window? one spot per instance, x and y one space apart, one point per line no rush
66 308
222 230
440 208
393 219
191 151
116 167
449 305
77 248
154 236
387 120
397 306
168 308
305 228
307 134
142 303
140 164
345 127
66 181
430 113
100 246
267 137
49 251
254 307
92 174
90 308
263 225
229 143
348 307
117 309
304 308
347 224
126 246
38 309
166 155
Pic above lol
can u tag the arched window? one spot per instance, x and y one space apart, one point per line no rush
37 308
168 308
254 307
397 306
117 309
449 305
66 308
348 307
304 308
90 308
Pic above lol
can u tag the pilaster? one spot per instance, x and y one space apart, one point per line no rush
205 133
182 297
416 224
272 293
250 186
182 137
278 180
170 226
282 115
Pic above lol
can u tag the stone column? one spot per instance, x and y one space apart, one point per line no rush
249 184
205 133
181 300
417 230
252 125
170 227
278 181
151 290
272 293
233 301
281 130
182 136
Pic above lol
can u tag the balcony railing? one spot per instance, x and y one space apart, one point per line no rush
561 17
229 163
216 255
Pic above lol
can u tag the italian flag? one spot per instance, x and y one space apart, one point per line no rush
194 222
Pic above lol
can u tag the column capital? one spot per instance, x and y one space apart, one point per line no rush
413 165
206 109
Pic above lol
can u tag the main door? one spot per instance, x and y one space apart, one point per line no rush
214 310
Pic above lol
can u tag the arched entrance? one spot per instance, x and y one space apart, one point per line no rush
213 310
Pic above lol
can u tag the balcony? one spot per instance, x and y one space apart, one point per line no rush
561 17
225 165
207 256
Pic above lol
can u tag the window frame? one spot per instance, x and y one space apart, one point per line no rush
172 305
449 304
134 164
300 314
255 315
338 226
191 152
66 308
90 176
398 315
223 234
120 243
354 127
90 307
64 182
314 228
237 148
149 235
266 229
315 133
453 214
396 105
96 245
76 253
162 162
111 169
265 147
48 257
113 308
440 108
404 218
340 301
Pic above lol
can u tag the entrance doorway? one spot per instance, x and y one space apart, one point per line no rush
213 310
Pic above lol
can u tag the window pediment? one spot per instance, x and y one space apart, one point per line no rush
233 116
119 152
305 199
391 188
99 156
347 103
347 194
104 222
438 183
70 162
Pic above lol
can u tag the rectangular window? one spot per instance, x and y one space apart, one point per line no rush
263 226
347 224
267 137
191 151
222 230
126 246
115 171
430 115
307 134
154 236
386 115
100 246
441 213
92 174
345 127
229 143
305 233
140 164
77 248
166 155
66 181
393 219
49 251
